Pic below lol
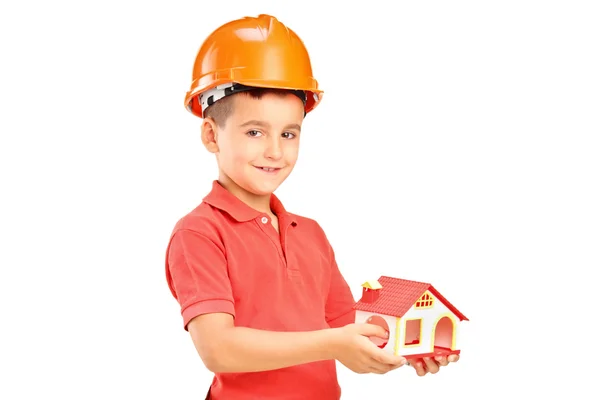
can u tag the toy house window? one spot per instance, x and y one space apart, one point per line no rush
412 331
426 301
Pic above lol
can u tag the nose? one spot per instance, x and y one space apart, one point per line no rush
274 150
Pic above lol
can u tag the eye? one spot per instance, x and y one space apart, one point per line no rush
253 133
288 135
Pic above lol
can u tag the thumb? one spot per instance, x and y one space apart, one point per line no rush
373 330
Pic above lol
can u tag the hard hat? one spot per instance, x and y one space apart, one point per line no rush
252 52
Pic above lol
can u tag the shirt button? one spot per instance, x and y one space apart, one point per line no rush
265 220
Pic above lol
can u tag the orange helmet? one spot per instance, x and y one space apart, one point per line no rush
251 52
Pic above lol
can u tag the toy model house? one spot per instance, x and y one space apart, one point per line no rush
420 321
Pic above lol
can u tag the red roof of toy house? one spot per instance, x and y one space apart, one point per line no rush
399 295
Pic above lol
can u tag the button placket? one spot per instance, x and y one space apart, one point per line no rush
273 235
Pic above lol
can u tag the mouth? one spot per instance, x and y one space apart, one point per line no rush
269 170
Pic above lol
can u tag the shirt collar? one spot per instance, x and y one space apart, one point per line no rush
221 198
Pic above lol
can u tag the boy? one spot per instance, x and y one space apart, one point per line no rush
259 288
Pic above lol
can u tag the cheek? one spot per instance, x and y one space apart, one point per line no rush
291 152
241 153
239 159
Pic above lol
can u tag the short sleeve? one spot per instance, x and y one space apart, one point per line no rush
196 269
339 309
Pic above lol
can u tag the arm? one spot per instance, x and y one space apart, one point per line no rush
226 348
198 277
339 309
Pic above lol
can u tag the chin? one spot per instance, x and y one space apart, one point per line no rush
255 187
264 189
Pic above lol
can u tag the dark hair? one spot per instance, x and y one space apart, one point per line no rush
222 109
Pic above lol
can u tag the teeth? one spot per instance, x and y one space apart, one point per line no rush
268 169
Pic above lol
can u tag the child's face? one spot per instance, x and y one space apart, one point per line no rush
258 147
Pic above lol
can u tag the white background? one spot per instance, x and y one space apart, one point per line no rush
457 143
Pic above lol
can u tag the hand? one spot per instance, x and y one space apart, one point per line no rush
432 365
353 347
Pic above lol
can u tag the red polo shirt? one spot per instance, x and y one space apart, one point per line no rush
224 256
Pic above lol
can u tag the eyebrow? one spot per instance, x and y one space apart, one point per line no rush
266 124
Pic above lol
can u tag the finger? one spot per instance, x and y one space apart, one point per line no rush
374 330
418 366
453 357
442 361
380 369
431 365
385 365
384 357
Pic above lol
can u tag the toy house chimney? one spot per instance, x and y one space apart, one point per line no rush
371 291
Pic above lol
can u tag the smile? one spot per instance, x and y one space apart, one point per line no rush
270 170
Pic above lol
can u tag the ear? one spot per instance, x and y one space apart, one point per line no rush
209 135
